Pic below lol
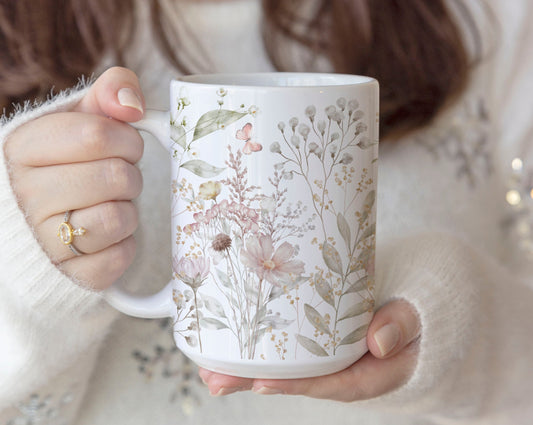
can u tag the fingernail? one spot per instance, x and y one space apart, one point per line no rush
267 391
227 391
127 97
387 337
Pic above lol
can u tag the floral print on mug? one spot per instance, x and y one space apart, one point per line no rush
246 241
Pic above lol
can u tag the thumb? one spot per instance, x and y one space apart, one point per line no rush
393 327
116 94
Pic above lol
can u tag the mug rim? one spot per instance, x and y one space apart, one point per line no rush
245 80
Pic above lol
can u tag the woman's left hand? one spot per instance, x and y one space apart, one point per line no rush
392 343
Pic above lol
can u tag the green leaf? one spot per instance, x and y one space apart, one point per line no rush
286 287
355 310
370 198
360 285
332 258
311 346
256 338
214 306
209 323
293 283
369 231
250 290
276 322
324 290
355 336
316 319
344 229
275 293
261 314
215 120
234 302
224 278
202 168
361 261
365 255
368 204
177 134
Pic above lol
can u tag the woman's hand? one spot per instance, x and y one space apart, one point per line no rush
83 161
392 342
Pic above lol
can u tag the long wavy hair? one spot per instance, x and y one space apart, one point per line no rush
414 48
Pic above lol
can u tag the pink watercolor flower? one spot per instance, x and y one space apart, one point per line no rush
215 209
233 207
189 229
276 266
210 214
252 214
251 227
192 271
200 218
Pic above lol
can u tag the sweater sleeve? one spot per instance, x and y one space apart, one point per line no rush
476 310
475 348
47 321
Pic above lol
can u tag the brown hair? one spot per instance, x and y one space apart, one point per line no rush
50 44
412 47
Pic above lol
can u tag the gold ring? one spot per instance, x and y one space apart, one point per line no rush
66 233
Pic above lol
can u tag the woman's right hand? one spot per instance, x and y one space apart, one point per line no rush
83 161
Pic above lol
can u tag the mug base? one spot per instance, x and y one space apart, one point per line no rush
263 369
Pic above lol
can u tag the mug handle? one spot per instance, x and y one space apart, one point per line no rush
160 304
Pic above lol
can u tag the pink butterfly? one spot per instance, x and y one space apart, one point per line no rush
245 134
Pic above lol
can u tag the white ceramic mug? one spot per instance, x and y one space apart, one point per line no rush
274 190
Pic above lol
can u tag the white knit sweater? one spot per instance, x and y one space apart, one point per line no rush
448 241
